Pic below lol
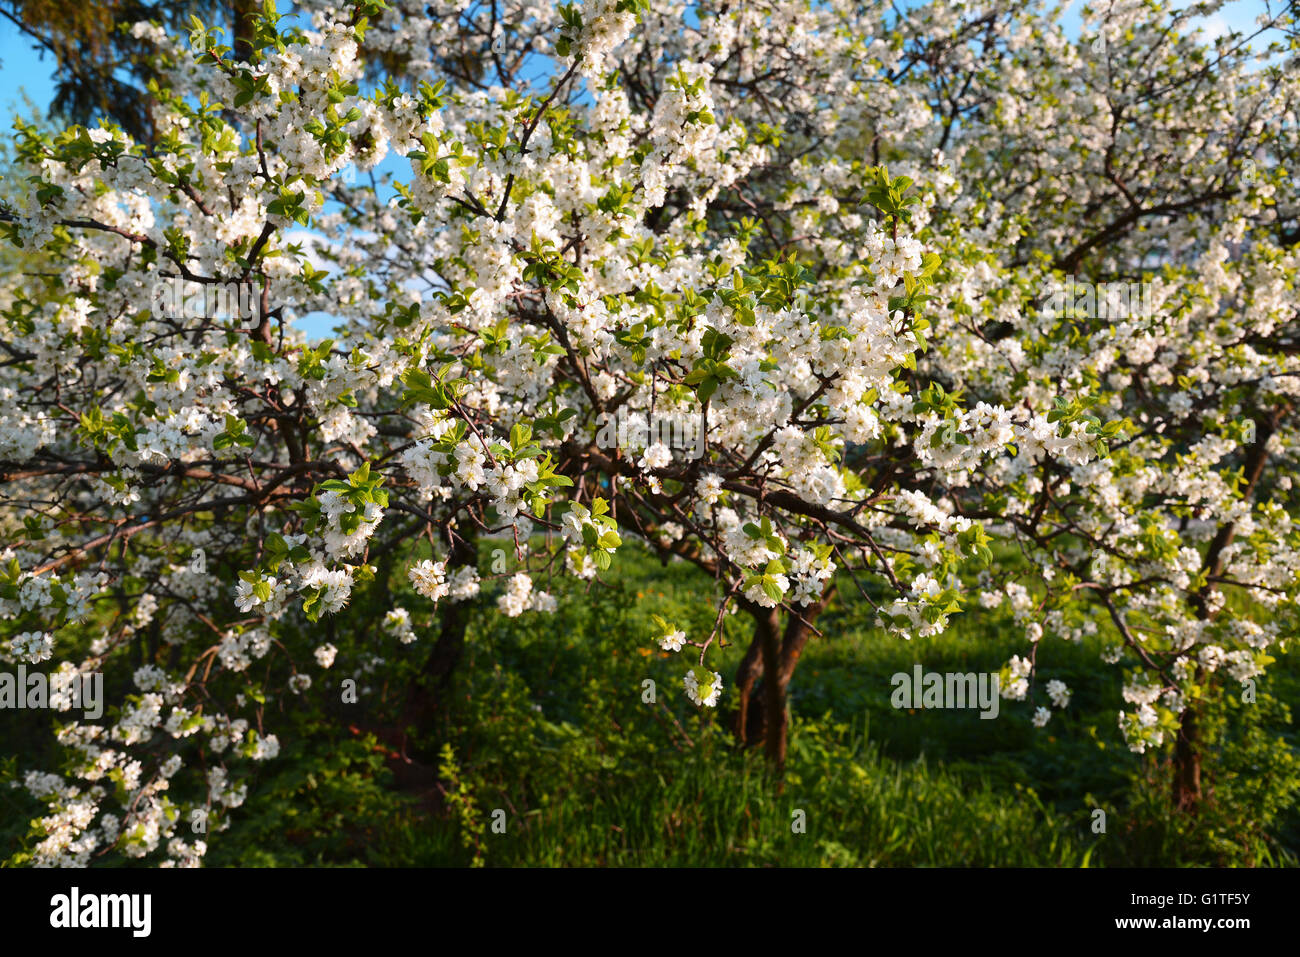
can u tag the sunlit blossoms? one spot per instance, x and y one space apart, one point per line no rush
831 238
703 687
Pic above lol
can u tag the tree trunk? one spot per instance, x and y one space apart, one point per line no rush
747 722
1187 763
775 717
425 699
763 678
242 13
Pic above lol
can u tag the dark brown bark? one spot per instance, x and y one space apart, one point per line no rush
747 723
775 731
763 678
1187 763
242 14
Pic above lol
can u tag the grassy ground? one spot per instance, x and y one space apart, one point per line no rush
551 731
548 736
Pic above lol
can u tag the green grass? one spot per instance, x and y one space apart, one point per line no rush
548 725
879 785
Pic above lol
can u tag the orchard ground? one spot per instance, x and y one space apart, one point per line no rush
550 726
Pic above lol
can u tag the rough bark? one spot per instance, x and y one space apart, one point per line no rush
775 731
747 723
763 677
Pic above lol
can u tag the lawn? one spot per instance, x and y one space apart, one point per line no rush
549 754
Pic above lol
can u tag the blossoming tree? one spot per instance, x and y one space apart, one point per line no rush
832 236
